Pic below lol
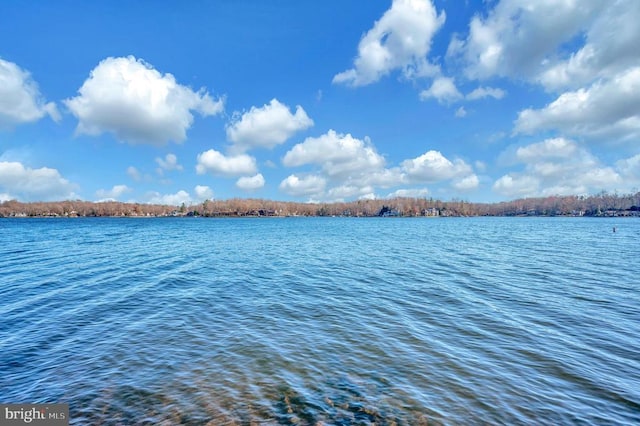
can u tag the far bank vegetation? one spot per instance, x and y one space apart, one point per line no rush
603 204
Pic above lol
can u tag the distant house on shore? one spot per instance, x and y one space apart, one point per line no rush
388 212
431 212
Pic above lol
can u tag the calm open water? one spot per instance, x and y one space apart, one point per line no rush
334 321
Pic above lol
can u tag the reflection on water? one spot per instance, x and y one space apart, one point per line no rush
323 321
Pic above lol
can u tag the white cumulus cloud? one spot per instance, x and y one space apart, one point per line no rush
114 193
432 166
517 185
467 183
168 163
558 166
606 109
519 38
401 39
250 183
348 190
303 186
562 45
203 192
179 198
549 148
217 163
443 89
486 92
129 98
27 184
338 154
630 166
134 173
347 167
267 126
610 47
409 193
629 170
20 98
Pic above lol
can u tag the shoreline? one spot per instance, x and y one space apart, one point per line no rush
602 205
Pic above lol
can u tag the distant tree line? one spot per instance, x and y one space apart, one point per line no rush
603 204
82 208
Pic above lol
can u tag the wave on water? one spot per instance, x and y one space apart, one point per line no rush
335 321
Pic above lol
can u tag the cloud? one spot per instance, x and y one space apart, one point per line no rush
267 126
409 193
138 176
341 166
607 109
348 167
27 184
461 112
610 47
20 98
203 192
250 183
217 163
629 170
485 92
401 39
339 155
467 183
519 39
303 186
129 98
550 148
557 167
432 166
443 89
134 173
368 197
170 162
343 192
179 198
630 166
112 194
481 166
517 185
561 45
384 178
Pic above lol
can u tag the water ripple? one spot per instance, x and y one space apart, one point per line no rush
322 321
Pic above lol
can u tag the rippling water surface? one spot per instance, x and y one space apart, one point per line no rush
333 321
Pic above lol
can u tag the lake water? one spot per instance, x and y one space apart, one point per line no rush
334 321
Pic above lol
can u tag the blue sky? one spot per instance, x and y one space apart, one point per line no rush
172 102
